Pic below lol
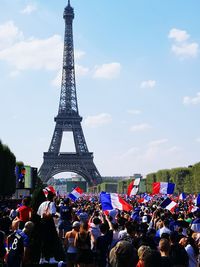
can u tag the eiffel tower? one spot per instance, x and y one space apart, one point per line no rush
68 119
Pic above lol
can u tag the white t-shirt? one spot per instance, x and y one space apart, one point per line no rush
43 207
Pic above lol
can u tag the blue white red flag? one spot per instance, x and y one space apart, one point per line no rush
133 187
76 193
163 188
147 198
182 196
168 204
48 189
110 201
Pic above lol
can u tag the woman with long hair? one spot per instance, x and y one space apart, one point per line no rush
71 250
83 244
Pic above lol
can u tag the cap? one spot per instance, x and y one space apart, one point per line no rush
75 224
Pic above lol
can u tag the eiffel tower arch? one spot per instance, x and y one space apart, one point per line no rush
69 120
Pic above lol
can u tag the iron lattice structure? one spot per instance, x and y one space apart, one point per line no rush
68 119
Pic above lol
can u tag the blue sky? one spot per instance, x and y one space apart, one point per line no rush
137 79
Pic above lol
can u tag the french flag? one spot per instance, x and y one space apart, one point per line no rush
146 198
163 188
182 196
110 201
48 189
76 193
133 187
168 204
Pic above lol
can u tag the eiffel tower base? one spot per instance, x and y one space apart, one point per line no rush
81 164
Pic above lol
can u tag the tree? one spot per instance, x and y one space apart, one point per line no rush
7 171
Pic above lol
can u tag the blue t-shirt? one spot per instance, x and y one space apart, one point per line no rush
65 213
19 240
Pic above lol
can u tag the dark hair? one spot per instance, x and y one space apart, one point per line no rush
164 245
50 196
103 227
96 220
152 259
165 236
66 201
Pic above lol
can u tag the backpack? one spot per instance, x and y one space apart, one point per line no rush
47 214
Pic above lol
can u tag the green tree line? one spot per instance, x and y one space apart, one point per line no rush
187 179
7 171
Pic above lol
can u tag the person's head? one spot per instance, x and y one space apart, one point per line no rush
165 236
142 250
103 228
123 254
166 222
164 246
26 201
50 196
131 229
173 238
28 227
96 221
151 233
152 259
76 226
66 201
115 226
83 227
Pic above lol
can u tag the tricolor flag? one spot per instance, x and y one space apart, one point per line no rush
182 196
76 193
48 189
192 208
163 188
145 199
197 200
133 187
168 204
110 201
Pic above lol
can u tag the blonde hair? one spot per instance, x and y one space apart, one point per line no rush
142 250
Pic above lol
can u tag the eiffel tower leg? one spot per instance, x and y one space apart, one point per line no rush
45 172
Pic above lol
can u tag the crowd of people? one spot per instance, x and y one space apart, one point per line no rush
79 233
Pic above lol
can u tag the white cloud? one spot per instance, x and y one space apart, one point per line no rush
35 54
140 127
108 71
98 120
29 9
186 50
178 35
182 46
134 111
148 84
32 53
187 100
158 142
9 34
